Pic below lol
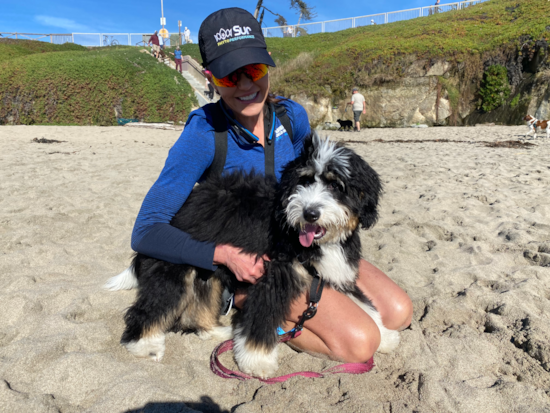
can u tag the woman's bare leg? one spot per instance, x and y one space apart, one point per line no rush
341 330
393 304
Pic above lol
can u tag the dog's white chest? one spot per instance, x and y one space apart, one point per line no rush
334 267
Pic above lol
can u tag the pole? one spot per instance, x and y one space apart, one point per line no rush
162 13
179 27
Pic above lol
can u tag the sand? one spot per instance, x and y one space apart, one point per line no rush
464 229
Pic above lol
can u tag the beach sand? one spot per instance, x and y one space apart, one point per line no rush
464 229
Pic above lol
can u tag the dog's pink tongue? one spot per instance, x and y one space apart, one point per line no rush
307 234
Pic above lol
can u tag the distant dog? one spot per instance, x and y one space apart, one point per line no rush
310 219
534 123
345 124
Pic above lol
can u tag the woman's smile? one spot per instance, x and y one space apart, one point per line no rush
248 98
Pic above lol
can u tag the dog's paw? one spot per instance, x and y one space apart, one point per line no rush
258 364
152 347
389 340
255 360
217 333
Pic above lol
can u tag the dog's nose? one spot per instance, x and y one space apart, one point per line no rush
311 215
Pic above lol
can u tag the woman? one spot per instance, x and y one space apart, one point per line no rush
177 58
234 54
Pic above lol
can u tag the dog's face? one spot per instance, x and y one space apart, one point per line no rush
327 192
528 118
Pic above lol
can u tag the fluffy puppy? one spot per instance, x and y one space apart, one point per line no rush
310 219
345 124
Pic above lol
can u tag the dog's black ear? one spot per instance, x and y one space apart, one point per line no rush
311 143
368 189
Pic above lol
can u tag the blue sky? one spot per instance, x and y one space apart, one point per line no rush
124 16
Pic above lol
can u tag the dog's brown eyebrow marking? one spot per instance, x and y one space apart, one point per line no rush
331 176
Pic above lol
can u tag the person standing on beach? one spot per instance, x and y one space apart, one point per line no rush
359 106
238 69
177 58
154 40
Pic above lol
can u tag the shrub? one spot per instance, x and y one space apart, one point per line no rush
514 101
494 88
91 88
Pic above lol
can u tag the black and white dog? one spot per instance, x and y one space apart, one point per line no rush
311 218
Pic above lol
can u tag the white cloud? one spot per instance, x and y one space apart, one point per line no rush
67 24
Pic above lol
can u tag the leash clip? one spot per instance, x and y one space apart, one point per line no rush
310 312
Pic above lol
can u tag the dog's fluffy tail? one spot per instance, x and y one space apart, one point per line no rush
126 280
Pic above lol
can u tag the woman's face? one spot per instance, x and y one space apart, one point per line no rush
247 99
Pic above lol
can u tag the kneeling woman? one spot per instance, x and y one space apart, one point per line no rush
234 54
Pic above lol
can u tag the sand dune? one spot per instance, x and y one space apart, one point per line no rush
464 229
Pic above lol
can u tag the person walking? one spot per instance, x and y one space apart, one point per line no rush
177 58
436 9
359 106
238 70
154 41
161 42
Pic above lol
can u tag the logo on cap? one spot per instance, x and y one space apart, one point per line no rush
237 31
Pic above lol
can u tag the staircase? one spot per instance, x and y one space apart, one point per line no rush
198 87
192 72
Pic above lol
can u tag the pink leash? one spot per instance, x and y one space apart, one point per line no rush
217 367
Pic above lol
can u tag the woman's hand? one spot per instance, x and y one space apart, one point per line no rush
246 267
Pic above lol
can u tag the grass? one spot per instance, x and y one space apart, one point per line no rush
89 87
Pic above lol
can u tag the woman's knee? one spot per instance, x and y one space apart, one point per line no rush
392 301
401 312
357 345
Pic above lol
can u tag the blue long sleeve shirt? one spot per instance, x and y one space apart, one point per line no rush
187 163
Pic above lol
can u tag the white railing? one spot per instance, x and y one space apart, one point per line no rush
56 38
124 39
139 39
371 19
91 39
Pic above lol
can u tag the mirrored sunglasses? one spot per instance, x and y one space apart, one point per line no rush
254 72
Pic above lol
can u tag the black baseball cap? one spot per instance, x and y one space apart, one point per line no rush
232 38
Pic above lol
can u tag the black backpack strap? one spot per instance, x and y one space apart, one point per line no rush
269 150
280 111
220 141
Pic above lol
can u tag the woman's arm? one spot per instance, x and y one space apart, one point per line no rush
153 235
187 160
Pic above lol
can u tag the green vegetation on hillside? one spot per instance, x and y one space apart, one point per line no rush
359 56
12 48
91 87
43 83
334 62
